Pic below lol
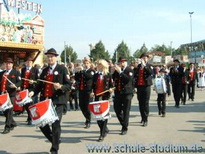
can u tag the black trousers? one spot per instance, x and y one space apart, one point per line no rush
84 100
53 134
122 103
161 102
177 91
143 96
102 123
9 122
103 127
184 93
73 96
191 90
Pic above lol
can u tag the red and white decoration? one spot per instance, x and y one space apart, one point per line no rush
100 110
43 113
5 102
22 98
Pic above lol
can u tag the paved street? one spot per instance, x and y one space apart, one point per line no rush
182 127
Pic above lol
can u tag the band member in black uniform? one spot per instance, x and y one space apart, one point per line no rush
143 82
192 79
84 79
57 74
176 73
102 81
9 86
73 95
123 79
184 85
31 73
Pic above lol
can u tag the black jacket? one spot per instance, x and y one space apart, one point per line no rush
126 78
60 76
108 82
33 76
147 75
176 75
87 79
15 78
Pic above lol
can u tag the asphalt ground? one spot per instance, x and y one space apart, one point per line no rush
181 131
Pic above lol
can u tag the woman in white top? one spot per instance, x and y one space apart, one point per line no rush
201 77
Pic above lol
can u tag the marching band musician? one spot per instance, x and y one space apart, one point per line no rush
57 74
123 79
29 75
176 74
102 81
143 82
184 85
84 80
192 78
10 82
161 97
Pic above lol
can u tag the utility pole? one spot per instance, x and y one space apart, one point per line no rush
65 53
192 47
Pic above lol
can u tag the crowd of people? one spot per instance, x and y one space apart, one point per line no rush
94 81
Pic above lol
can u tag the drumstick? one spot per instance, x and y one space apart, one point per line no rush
10 81
29 80
47 81
104 92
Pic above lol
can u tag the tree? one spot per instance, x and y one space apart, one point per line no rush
71 55
138 52
162 48
98 52
121 51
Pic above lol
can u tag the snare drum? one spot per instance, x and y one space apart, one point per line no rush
160 85
43 113
22 98
100 110
5 102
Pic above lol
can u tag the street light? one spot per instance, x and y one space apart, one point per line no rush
190 13
171 48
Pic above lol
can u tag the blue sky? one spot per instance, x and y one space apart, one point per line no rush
83 22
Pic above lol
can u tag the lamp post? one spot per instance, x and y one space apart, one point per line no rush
171 48
192 48
65 54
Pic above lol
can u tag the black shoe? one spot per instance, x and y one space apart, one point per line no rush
101 138
160 113
54 152
87 125
164 115
141 121
192 99
123 132
6 131
144 124
106 132
29 123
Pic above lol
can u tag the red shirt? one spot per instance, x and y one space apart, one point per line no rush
99 84
3 83
27 76
48 92
141 81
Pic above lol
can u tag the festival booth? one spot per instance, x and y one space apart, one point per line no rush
21 35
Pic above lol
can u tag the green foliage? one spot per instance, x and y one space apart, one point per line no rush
162 48
71 55
138 52
121 51
98 52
